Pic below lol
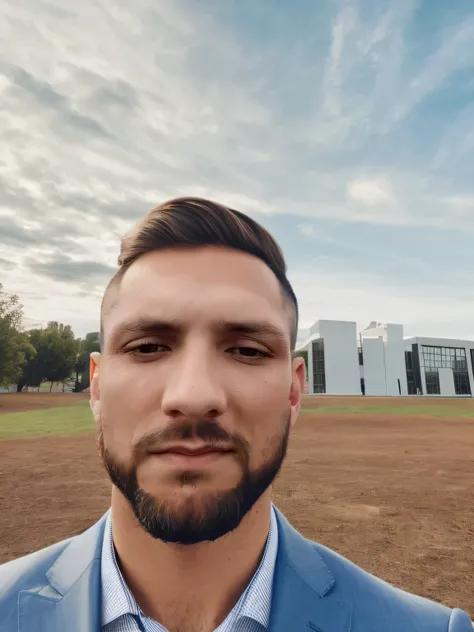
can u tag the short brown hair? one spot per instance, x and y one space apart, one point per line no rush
190 221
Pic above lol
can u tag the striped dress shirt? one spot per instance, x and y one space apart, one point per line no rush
121 613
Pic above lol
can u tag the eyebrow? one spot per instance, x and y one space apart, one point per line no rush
251 327
142 326
149 326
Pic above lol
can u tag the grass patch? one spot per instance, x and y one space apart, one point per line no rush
439 412
50 421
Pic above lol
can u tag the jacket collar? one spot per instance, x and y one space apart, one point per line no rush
304 588
301 602
72 598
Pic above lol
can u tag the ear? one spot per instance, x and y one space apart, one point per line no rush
94 385
298 386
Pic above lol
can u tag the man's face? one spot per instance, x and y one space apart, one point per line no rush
196 391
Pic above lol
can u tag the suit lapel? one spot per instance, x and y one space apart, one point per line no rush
72 599
301 589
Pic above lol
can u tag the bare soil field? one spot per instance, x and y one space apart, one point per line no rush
393 493
21 402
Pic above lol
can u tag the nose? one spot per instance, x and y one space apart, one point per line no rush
193 389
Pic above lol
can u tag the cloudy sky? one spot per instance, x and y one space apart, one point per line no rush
345 127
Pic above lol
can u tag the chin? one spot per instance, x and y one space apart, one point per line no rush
187 486
189 515
190 500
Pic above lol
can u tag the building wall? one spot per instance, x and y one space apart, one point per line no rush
422 374
446 381
395 360
386 358
340 356
374 366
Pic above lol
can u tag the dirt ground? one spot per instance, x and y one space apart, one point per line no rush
21 402
392 493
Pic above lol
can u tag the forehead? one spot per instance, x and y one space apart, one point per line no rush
199 285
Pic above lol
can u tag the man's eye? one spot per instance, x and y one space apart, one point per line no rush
148 348
249 352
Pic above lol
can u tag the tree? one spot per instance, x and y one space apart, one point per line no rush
15 348
56 351
33 373
61 352
86 346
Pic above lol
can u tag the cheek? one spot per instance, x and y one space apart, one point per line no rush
132 385
117 435
125 386
125 409
261 412
267 391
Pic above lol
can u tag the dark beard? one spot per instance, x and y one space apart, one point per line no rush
221 513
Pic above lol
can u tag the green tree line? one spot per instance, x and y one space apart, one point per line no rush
53 353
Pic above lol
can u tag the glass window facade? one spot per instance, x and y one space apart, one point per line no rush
432 382
462 385
434 358
411 382
319 373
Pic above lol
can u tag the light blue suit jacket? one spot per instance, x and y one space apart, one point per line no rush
58 589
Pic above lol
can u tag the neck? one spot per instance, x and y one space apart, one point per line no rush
176 584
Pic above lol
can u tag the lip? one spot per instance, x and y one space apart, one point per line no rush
184 457
193 452
191 459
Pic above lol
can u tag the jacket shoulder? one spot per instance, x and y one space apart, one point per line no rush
28 572
24 573
378 605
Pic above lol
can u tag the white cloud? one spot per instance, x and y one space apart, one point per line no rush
306 229
370 192
454 54
362 76
334 78
460 203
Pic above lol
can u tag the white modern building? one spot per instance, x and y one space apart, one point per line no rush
379 360
382 360
439 366
333 365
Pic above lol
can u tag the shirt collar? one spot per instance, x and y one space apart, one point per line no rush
255 602
257 599
117 600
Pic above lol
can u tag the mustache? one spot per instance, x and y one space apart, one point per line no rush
207 430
